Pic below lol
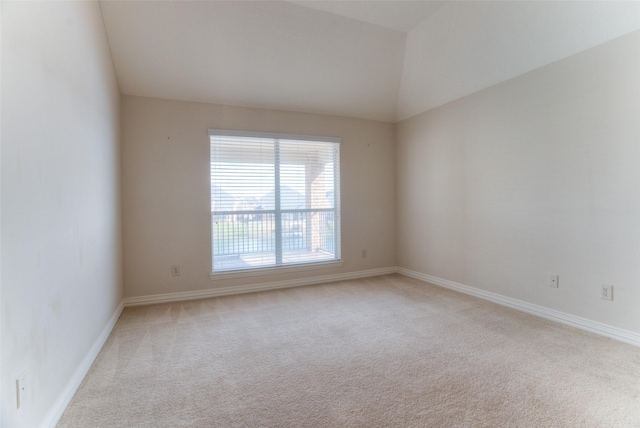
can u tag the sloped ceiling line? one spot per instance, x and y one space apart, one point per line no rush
379 60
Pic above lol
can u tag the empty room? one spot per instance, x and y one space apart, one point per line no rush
320 213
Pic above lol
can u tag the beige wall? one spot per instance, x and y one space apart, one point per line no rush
498 190
60 197
165 175
536 176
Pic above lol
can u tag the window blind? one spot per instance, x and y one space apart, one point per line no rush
274 200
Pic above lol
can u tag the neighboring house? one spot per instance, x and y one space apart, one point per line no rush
291 199
221 200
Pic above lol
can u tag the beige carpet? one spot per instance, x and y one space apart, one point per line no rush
377 352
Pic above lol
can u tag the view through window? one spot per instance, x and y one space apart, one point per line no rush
274 200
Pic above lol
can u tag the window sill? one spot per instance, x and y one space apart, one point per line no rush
274 270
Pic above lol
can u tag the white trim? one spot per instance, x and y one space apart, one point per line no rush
251 288
58 408
274 270
605 330
275 136
56 411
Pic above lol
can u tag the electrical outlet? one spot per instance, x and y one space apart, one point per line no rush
553 281
606 292
21 389
175 270
364 254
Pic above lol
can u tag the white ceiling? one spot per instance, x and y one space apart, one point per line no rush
394 14
468 46
381 60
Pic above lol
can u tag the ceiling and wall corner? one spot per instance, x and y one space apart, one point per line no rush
273 55
396 15
379 60
465 47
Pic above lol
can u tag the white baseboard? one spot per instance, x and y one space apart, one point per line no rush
56 411
225 291
58 408
541 311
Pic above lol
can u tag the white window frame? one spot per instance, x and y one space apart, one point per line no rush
275 269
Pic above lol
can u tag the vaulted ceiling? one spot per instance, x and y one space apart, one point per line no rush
381 60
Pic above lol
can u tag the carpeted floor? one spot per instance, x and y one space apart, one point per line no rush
388 351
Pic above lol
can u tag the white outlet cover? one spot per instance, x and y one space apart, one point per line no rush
175 270
606 292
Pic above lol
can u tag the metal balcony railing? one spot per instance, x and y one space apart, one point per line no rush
254 233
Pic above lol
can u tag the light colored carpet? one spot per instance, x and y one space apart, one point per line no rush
378 352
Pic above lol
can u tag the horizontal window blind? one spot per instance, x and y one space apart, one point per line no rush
274 200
